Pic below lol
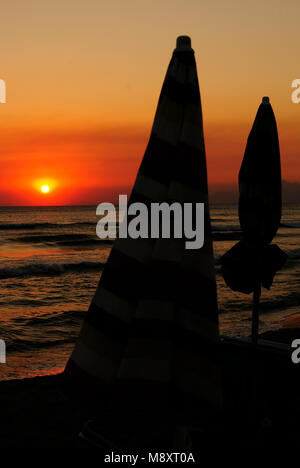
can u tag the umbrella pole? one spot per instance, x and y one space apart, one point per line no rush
255 313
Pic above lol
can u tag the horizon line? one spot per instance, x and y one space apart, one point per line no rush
95 204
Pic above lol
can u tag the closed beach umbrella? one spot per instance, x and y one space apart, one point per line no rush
149 340
260 180
253 262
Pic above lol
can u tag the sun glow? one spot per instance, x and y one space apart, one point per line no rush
45 188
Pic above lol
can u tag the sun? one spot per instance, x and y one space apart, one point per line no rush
45 188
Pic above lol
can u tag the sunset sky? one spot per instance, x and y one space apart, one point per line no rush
83 79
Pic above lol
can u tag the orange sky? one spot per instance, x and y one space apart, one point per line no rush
83 80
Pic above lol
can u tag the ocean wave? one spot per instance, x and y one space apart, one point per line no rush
90 240
20 226
293 254
279 302
267 304
63 239
29 344
42 331
46 269
65 317
236 227
290 225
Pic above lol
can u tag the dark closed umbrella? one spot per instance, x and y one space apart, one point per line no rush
260 180
253 261
150 335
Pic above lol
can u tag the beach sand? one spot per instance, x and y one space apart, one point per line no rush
37 412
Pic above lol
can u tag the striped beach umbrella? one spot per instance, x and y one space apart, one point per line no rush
149 340
253 261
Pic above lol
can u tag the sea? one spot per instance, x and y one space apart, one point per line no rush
50 264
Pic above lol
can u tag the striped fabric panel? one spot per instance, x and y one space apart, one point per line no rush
165 311
113 305
93 363
156 191
174 270
100 343
153 323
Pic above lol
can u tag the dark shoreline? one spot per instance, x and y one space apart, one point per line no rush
35 413
38 413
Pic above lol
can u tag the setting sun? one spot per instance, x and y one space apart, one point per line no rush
45 188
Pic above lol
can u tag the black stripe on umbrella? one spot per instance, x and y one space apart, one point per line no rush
253 261
151 332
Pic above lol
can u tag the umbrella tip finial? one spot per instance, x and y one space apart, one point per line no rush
265 100
183 43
